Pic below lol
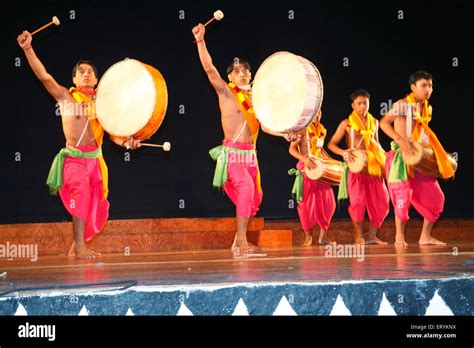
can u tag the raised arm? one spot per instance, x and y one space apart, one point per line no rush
56 90
214 77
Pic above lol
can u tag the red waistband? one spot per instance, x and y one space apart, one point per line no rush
238 145
85 148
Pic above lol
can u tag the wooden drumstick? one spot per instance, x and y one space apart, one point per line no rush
166 145
54 20
218 15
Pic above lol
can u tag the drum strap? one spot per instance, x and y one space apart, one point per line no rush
315 138
240 133
409 122
352 140
83 132
362 139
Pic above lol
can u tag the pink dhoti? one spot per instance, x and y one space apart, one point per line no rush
421 191
318 204
369 193
241 185
82 192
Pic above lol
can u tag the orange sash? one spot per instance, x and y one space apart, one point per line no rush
422 121
316 133
246 105
375 154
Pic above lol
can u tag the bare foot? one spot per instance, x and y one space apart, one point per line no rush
245 249
253 247
82 252
400 242
71 249
325 241
240 247
359 240
308 241
245 252
431 241
375 240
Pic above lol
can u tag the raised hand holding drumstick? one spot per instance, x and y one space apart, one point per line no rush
198 32
200 29
54 21
24 40
218 15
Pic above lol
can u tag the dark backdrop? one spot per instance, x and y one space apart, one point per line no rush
382 50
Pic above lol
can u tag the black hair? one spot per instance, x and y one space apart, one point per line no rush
360 93
419 75
83 61
237 61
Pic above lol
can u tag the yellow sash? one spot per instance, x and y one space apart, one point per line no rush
245 104
375 154
422 121
316 133
98 133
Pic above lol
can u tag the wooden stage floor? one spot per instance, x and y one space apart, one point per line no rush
211 267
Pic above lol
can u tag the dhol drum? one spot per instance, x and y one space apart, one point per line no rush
423 159
360 163
287 92
131 99
328 171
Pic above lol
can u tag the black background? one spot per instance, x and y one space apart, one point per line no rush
382 50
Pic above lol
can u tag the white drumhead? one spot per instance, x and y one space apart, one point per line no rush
359 163
316 173
287 92
126 98
416 155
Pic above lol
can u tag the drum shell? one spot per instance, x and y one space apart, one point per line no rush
329 171
360 163
424 159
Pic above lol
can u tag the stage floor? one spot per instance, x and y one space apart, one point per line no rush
297 264
377 267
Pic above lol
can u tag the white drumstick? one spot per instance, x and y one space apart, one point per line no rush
166 145
218 15
54 20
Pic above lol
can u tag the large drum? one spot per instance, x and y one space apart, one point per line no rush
287 92
360 163
131 99
327 171
423 159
